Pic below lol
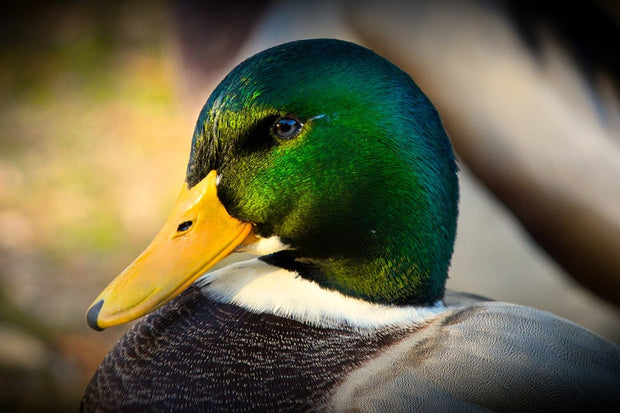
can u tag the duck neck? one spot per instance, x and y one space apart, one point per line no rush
389 270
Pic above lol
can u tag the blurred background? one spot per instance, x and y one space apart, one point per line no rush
99 100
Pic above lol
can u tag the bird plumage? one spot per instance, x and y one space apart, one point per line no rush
197 353
331 164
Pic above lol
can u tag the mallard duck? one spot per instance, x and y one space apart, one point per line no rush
330 164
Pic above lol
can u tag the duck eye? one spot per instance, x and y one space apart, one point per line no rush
184 226
287 128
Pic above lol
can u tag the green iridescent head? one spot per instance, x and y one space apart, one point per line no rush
336 151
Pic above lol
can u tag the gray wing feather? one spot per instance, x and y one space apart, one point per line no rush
490 355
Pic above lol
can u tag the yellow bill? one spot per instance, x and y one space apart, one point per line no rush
197 234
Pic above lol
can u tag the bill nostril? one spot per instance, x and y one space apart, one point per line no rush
184 226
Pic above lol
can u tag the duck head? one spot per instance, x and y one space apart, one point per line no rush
323 155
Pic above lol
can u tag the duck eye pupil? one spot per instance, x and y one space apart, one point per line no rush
184 226
287 128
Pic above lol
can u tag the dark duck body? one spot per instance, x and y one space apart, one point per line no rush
220 357
327 162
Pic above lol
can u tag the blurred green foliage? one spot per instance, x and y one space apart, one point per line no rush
92 151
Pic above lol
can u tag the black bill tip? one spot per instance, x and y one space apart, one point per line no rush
93 314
